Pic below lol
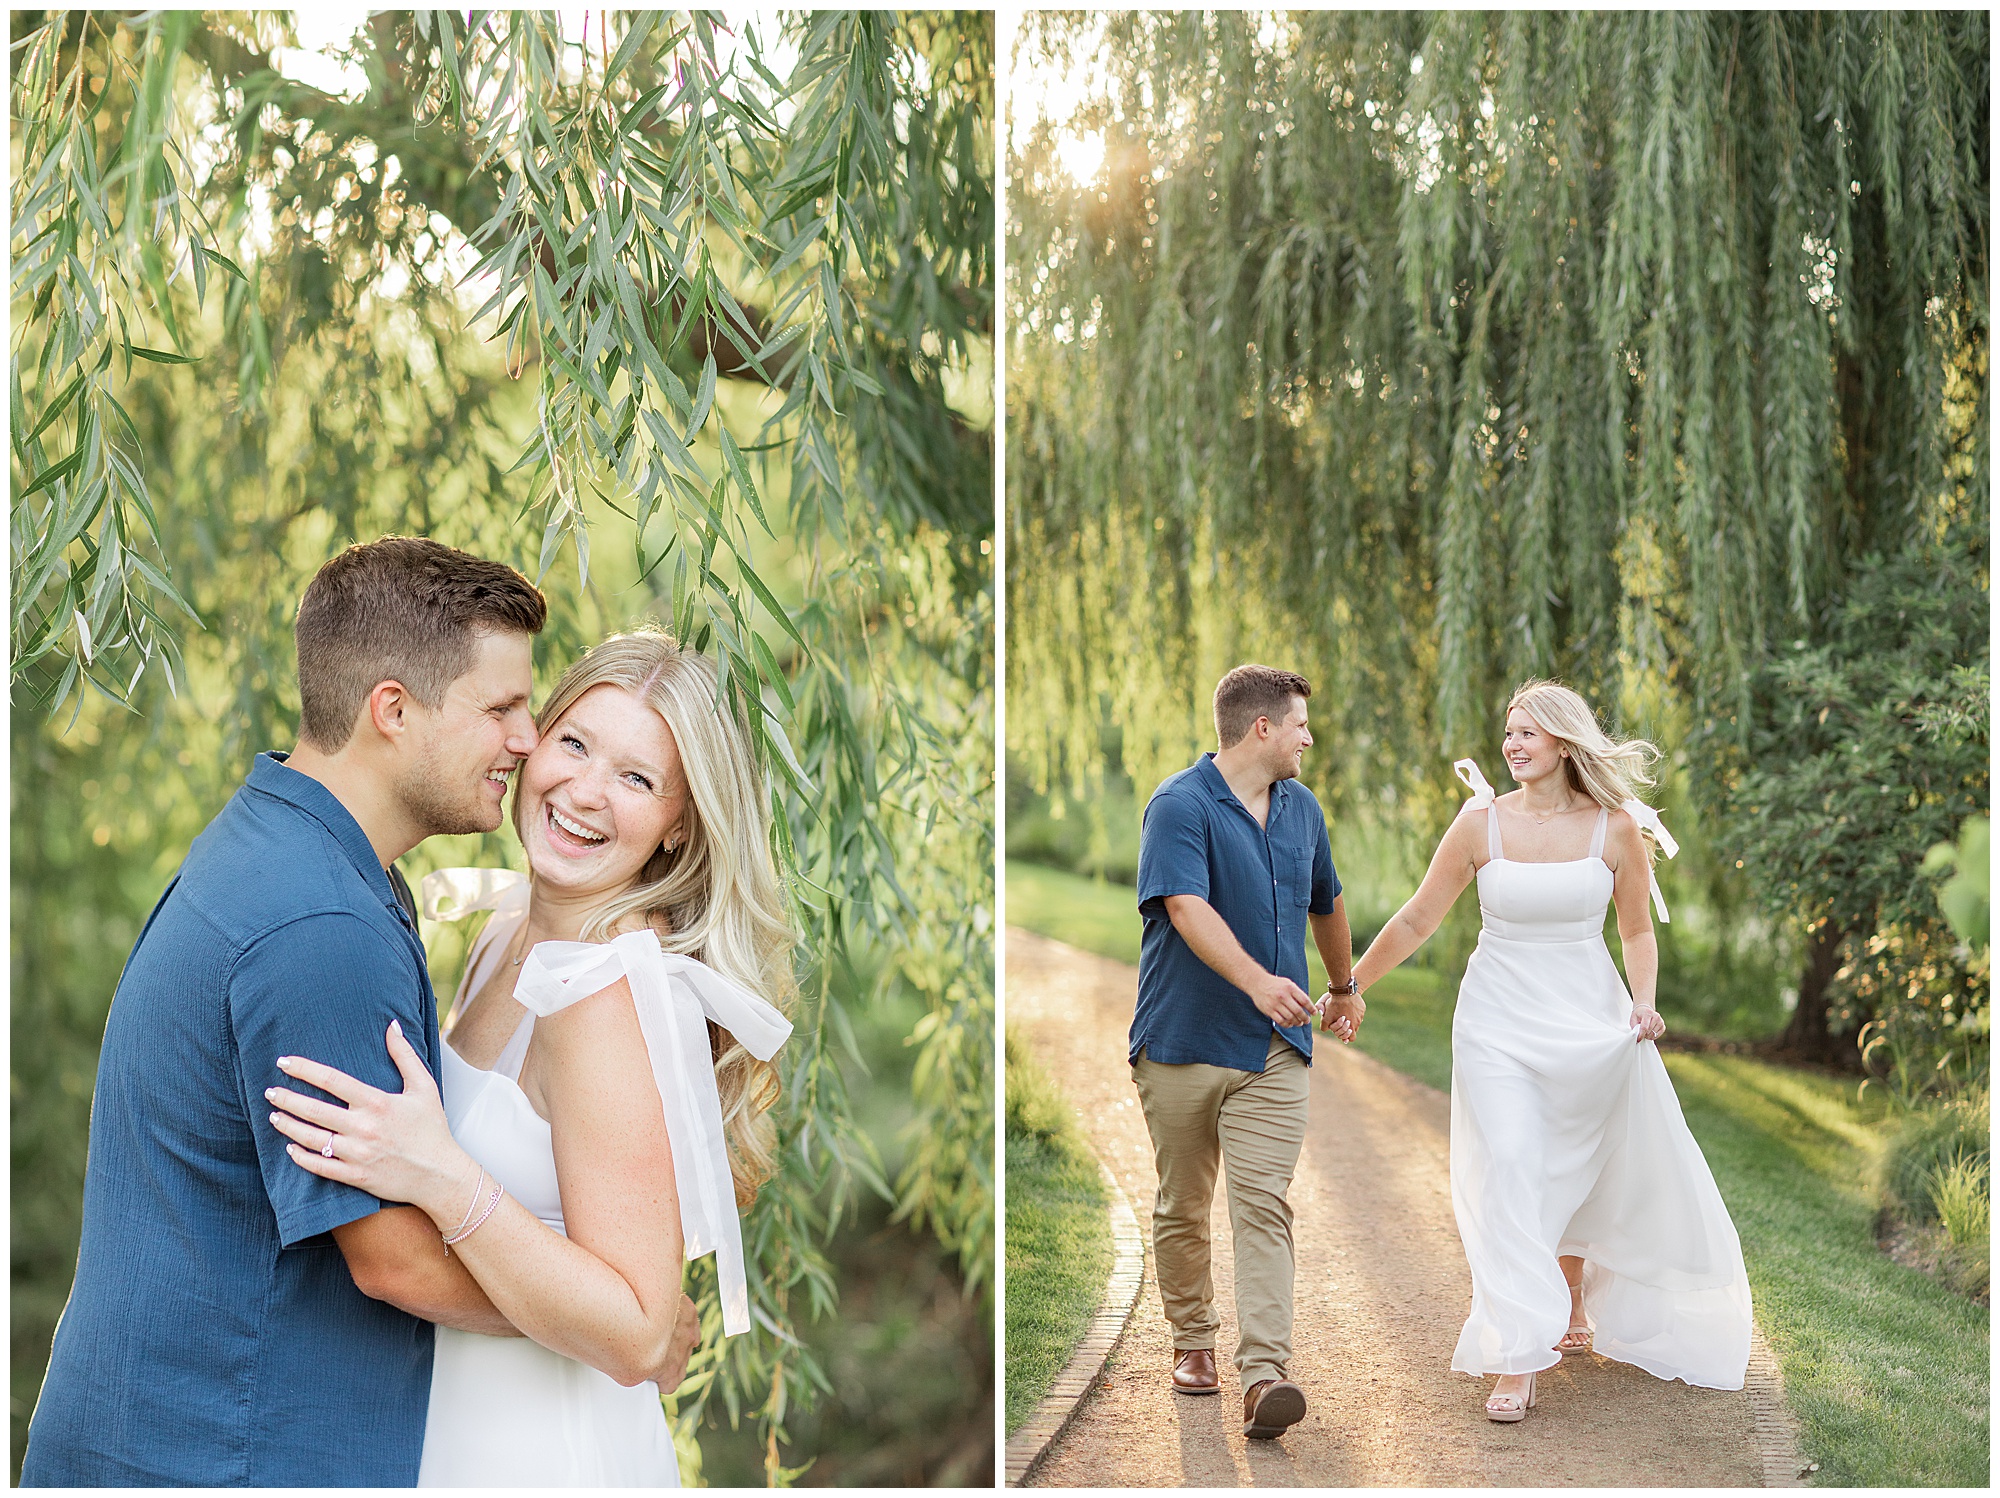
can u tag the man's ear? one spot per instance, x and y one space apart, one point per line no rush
388 709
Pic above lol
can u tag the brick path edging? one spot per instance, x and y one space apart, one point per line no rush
1776 1426
1027 1446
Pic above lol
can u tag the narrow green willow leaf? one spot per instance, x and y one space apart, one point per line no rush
639 26
704 397
740 470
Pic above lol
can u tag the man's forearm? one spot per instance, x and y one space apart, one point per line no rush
451 1297
1335 940
395 1256
1208 936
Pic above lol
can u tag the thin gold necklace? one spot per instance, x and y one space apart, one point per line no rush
1544 821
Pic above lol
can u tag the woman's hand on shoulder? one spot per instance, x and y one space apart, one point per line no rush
394 1145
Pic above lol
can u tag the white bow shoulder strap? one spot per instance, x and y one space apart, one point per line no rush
452 894
673 994
1649 821
1468 771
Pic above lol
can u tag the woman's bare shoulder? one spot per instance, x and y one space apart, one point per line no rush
1622 838
640 920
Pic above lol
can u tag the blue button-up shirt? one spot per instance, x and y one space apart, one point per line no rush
1199 839
213 1336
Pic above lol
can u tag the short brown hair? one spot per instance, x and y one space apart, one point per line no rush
1252 692
401 609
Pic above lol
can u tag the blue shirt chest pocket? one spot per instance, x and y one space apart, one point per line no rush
1299 881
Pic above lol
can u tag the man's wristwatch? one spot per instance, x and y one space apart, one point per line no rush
1351 988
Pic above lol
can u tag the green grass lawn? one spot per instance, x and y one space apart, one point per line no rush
1887 1370
1090 913
1058 1240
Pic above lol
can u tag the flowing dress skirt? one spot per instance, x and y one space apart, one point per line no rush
1567 1138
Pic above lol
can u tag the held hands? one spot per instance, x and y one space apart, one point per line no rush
1280 1000
1340 1015
1646 1020
396 1146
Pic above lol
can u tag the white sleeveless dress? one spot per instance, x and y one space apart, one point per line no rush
508 1412
1567 1138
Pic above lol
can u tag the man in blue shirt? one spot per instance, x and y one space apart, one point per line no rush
1234 866
235 1320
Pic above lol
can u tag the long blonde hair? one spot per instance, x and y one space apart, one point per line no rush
1609 771
716 892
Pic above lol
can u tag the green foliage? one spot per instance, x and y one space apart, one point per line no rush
1962 1192
1924 1143
1034 1108
735 320
1966 897
1096 835
909 1355
1843 794
1426 352
101 218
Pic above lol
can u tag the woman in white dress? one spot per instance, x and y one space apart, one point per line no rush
606 1077
1588 1214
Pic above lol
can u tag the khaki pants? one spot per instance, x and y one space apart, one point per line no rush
1254 1123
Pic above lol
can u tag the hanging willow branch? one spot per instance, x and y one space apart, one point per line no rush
1426 353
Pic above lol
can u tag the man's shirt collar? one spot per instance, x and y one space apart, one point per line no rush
1219 787
273 777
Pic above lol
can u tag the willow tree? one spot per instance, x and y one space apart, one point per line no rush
1429 353
716 289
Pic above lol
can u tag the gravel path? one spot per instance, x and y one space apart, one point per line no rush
1381 1291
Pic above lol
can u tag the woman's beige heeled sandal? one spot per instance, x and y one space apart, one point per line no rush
1507 1408
1579 1336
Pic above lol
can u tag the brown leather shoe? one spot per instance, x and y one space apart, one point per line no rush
1194 1372
1271 1407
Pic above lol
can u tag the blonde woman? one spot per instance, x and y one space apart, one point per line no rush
1588 1214
606 1078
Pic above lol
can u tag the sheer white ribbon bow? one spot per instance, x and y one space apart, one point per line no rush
1465 769
1647 818
673 995
452 894
1649 822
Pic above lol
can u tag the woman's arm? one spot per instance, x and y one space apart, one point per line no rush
609 1294
1452 868
1631 890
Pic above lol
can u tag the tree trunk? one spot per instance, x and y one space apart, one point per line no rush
1806 1037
